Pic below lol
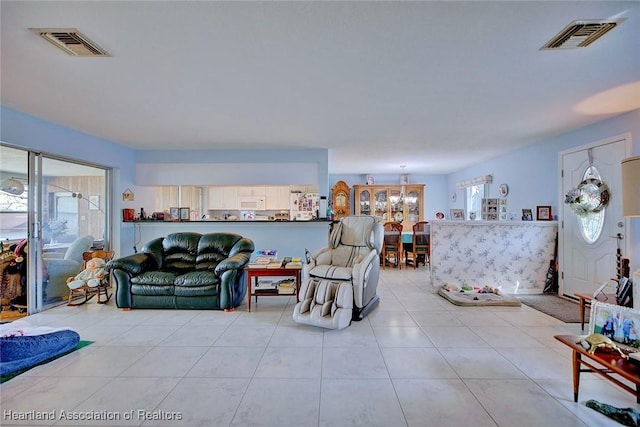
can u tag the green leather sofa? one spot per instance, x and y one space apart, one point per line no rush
184 270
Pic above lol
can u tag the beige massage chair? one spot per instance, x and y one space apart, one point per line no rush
339 282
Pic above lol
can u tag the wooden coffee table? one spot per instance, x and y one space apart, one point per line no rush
255 272
607 364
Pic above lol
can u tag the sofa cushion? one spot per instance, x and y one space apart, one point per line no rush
213 248
158 278
152 290
197 291
197 278
180 252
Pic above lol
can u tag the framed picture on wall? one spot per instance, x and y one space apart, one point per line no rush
543 213
184 214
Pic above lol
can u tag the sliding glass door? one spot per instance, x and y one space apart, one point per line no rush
60 208
73 221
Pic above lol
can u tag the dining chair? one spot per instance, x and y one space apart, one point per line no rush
420 249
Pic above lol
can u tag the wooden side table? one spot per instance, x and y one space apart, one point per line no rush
604 363
255 272
586 299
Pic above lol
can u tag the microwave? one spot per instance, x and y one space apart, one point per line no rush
252 203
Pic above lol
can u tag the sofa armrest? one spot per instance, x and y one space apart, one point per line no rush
134 264
235 262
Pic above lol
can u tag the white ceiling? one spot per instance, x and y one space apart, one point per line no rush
435 86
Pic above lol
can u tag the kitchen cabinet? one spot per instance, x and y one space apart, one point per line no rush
223 198
278 197
250 191
391 203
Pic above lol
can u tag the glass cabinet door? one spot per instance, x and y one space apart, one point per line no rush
397 205
412 198
365 202
381 204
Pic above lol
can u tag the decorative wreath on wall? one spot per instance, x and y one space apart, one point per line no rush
590 196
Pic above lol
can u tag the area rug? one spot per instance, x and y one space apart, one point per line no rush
470 298
561 308
11 375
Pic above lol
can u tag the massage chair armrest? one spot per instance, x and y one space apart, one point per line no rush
134 264
320 257
361 268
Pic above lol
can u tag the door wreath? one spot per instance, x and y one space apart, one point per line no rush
590 196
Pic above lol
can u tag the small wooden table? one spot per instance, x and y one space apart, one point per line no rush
602 362
255 272
585 300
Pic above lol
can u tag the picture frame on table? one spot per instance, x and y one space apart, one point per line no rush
440 215
457 214
617 323
527 215
543 213
174 214
184 214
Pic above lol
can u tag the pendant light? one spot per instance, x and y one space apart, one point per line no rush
12 186
403 180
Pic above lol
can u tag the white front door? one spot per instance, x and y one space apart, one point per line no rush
588 253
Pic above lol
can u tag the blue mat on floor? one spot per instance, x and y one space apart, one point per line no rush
21 353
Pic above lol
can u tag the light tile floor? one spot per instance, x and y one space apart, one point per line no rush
417 360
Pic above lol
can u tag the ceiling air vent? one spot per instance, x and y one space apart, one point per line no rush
71 41
580 34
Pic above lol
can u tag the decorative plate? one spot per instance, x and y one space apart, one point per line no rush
397 216
454 196
503 189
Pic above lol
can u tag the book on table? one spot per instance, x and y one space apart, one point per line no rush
286 287
274 264
265 285
293 264
265 256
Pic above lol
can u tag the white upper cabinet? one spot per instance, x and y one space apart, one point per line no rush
250 191
223 198
278 197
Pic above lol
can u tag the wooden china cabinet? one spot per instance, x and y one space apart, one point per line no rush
387 201
340 202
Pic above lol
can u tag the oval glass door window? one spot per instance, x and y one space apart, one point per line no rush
592 223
